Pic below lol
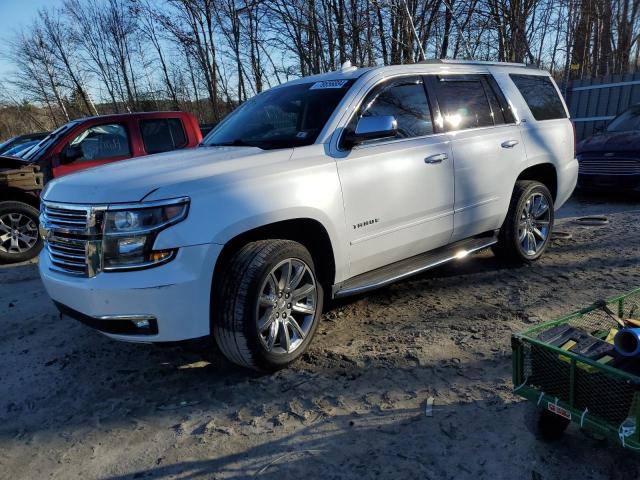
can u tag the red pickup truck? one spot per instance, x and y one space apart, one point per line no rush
77 145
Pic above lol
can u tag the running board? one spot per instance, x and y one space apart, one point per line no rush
411 266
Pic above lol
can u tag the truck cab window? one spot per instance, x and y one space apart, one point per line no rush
101 142
162 134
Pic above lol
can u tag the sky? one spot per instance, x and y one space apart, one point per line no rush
13 15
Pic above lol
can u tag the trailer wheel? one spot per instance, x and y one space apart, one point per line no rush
551 427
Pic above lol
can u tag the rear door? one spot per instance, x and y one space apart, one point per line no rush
487 150
94 145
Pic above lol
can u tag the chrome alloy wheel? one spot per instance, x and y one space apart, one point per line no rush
287 306
18 233
534 224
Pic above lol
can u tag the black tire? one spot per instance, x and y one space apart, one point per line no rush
551 427
508 247
28 219
236 294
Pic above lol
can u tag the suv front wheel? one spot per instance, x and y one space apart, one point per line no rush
267 303
526 231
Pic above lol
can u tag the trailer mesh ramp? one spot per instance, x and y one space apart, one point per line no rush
602 394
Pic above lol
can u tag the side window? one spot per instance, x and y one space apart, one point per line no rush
162 134
493 91
541 96
406 100
101 142
464 103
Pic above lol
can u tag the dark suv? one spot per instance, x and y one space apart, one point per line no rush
610 159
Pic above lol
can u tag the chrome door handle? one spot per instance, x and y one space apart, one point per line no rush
509 144
437 158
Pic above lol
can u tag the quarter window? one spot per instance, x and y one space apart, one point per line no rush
541 96
102 142
162 134
406 100
464 103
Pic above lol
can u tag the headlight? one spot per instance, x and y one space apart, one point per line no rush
130 232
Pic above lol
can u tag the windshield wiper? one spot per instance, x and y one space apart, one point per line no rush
238 142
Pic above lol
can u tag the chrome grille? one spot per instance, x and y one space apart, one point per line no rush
68 255
73 237
66 217
617 164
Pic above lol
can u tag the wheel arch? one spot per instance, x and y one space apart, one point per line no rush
544 173
17 195
307 231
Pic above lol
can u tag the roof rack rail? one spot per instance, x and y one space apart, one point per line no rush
445 61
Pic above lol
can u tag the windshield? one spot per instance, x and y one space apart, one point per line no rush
36 151
283 117
626 121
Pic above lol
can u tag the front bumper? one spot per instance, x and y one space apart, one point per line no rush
175 297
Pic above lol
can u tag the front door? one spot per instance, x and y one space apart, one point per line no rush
398 193
94 146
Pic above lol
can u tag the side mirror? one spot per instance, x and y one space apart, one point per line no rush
372 128
70 154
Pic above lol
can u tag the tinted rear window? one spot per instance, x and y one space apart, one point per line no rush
541 96
464 103
162 134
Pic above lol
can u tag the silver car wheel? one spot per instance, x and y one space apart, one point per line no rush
287 306
18 233
534 224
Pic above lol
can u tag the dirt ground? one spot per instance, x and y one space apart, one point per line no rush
74 404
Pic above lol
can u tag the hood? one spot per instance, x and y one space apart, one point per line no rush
133 180
611 142
11 163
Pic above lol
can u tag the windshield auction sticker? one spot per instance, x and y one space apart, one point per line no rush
328 84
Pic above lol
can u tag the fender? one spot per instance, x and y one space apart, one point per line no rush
305 186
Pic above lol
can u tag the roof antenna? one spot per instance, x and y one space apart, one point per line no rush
464 40
415 32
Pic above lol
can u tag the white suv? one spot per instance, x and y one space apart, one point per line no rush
322 187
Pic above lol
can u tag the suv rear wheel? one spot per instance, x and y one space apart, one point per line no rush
526 231
19 237
267 303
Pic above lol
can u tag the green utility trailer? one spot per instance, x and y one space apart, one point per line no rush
568 387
